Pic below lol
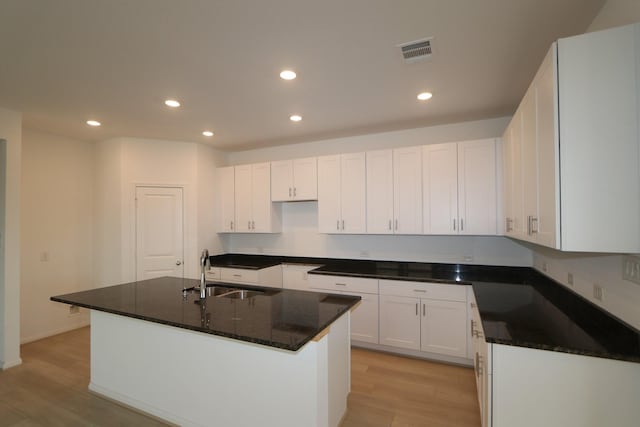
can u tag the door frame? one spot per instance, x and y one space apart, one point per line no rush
130 253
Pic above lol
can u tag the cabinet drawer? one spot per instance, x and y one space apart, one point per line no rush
342 283
238 275
212 274
423 290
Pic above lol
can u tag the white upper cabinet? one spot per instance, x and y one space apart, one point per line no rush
477 189
245 194
407 190
581 146
394 191
342 193
440 188
459 188
380 192
227 209
294 180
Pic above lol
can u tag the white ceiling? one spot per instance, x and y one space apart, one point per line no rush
67 61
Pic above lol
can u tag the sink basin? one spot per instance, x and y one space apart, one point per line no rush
239 294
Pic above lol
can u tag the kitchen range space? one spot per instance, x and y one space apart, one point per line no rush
435 235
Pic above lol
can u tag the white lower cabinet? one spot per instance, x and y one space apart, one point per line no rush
364 318
269 276
295 276
424 316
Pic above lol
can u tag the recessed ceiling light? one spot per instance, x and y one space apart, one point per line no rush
171 103
288 75
424 96
295 118
93 123
207 133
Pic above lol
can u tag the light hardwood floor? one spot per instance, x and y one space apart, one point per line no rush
50 389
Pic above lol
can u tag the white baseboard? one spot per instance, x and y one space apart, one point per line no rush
10 364
414 353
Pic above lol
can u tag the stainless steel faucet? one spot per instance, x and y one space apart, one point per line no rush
203 264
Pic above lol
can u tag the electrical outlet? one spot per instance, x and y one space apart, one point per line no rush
74 309
631 268
44 256
598 292
570 279
544 266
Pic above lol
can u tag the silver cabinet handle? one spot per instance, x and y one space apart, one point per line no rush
471 328
231 225
338 224
249 225
289 191
389 224
476 365
454 224
419 290
479 365
341 284
294 191
461 224
237 275
396 224
529 220
253 225
424 310
178 262
343 225
416 309
534 225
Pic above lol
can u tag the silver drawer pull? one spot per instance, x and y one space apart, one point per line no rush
341 284
420 290
237 275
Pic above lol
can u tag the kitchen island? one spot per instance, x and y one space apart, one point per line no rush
266 357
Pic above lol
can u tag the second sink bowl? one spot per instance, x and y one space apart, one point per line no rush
240 294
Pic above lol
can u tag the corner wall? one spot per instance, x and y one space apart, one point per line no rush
56 231
11 133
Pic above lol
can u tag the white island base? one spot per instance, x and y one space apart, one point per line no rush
197 379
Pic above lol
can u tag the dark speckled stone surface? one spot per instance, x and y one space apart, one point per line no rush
518 306
281 318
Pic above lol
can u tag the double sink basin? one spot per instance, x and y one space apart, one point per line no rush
214 290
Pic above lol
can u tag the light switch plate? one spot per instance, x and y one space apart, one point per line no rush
631 268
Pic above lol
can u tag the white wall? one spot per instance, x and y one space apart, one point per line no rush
56 231
124 163
300 237
11 133
621 298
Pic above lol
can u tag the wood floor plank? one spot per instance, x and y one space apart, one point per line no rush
50 389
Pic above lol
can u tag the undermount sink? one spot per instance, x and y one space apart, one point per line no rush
239 294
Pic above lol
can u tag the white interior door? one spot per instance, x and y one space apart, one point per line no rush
159 232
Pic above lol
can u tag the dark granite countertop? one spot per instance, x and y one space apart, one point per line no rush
518 306
281 318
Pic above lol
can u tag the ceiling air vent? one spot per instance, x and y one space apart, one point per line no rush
415 51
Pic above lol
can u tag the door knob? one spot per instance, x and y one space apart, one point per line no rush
178 262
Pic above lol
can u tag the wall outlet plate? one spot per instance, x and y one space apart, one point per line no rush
74 309
631 268
598 292
570 278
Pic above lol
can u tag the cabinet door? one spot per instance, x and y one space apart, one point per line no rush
477 199
507 184
529 161
407 190
243 197
329 194
305 179
380 192
353 204
364 319
281 181
444 327
519 224
261 198
227 209
548 149
440 188
400 322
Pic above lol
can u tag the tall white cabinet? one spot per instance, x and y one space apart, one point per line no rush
227 208
342 193
579 132
460 188
394 191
